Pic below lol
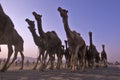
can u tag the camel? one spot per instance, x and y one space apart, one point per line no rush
10 37
93 53
53 42
75 41
104 56
38 41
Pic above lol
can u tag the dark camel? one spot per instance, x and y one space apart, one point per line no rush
104 56
93 53
38 41
10 37
53 42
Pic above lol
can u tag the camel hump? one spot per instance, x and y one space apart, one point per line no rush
75 34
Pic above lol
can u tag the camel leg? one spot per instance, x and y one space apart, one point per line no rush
22 56
42 66
51 56
71 60
45 58
93 62
42 59
39 58
83 58
14 58
58 61
75 57
52 61
105 63
60 56
67 63
10 51
48 60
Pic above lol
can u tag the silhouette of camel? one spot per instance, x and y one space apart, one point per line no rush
38 41
53 42
10 37
93 53
104 56
75 41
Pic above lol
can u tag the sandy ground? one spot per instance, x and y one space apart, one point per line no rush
110 73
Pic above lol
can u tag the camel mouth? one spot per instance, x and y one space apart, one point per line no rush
34 13
29 27
26 19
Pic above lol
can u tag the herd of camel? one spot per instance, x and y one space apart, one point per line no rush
77 54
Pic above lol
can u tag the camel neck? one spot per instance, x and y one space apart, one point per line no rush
66 44
66 27
104 49
90 36
40 30
35 37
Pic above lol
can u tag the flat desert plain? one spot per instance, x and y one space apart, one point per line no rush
110 73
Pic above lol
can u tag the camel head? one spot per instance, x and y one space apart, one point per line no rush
103 46
31 24
37 16
63 12
90 34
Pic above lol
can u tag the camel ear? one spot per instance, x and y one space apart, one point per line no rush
40 15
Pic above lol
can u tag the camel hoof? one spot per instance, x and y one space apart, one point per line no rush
2 70
51 68
34 68
21 68
58 67
105 66
41 70
72 70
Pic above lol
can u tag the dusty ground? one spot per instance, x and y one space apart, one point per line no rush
110 73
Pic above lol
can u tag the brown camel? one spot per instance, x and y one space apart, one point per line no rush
53 42
75 41
38 41
104 56
10 37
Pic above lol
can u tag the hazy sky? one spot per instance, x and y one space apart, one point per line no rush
102 17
